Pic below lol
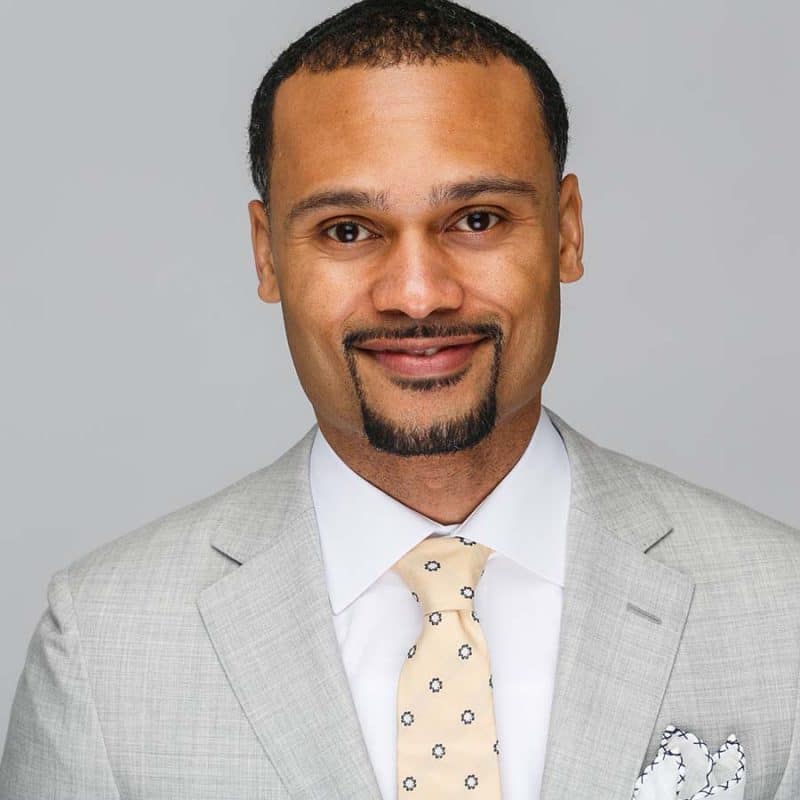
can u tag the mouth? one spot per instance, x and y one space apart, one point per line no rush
423 358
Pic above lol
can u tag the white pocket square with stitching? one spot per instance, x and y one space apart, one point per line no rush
683 769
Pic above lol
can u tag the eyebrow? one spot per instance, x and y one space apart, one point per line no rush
439 195
466 190
336 197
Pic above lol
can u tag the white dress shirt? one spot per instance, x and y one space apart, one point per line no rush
364 531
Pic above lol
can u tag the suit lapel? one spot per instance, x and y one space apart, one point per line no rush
271 625
622 620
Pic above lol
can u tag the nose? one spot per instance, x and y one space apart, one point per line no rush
417 278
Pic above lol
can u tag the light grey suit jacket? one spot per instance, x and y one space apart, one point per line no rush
196 659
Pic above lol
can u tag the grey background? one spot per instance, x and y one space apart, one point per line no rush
141 372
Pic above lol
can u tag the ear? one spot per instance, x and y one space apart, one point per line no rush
260 235
570 230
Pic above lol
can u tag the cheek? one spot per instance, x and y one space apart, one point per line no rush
319 288
315 312
533 319
310 344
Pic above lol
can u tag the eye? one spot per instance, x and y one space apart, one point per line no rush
346 232
478 221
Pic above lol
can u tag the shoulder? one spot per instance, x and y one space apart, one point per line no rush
690 504
715 537
173 555
711 534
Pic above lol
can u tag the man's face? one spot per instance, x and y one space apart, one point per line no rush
415 208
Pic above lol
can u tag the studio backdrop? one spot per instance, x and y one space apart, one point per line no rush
141 372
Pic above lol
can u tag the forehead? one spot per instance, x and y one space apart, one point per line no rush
406 127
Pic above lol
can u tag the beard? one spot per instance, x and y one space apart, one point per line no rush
445 436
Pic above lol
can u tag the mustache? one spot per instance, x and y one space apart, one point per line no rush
426 331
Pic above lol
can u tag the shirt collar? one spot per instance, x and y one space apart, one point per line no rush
523 518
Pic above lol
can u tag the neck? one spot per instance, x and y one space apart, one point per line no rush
446 488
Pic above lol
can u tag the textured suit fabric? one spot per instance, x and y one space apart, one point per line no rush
195 657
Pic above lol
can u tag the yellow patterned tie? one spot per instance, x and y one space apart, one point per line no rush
447 743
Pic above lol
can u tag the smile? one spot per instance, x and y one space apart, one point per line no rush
423 358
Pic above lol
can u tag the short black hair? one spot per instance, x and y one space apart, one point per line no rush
383 33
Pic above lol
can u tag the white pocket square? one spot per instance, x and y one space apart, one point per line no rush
683 769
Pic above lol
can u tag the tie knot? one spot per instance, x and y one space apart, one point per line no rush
443 571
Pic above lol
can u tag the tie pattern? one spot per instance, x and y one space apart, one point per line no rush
447 744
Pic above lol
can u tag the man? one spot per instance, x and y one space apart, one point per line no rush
415 225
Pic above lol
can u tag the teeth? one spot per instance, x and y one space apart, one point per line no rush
429 352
